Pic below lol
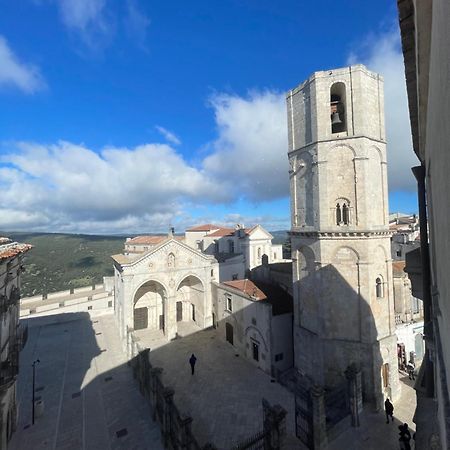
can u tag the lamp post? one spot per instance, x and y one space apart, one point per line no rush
34 383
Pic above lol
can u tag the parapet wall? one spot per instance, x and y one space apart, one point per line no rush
94 299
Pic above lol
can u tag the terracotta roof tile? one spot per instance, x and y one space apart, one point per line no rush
247 287
205 227
221 232
150 240
9 249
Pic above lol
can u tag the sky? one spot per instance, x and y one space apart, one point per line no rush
130 116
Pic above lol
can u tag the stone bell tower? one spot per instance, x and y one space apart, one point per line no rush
343 291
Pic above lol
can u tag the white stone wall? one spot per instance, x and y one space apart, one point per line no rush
251 322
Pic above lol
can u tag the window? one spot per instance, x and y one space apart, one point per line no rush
110 304
199 245
342 212
253 321
399 252
230 246
212 272
89 308
145 249
379 288
274 256
279 357
228 302
235 276
259 252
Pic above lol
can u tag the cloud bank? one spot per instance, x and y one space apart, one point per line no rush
70 187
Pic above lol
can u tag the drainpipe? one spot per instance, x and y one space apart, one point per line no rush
419 173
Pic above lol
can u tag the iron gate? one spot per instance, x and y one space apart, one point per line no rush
303 416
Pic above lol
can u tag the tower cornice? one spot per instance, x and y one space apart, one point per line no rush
350 234
335 140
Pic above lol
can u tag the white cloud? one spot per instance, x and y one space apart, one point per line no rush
14 72
382 53
250 154
136 23
69 187
168 135
88 19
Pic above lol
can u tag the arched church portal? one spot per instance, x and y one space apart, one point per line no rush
148 310
190 301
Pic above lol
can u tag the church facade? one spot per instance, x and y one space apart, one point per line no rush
342 268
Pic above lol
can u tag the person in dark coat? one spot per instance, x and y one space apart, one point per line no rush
405 437
192 361
389 409
411 368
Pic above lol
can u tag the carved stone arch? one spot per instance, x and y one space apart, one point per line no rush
149 280
251 327
350 251
305 260
342 145
382 250
181 278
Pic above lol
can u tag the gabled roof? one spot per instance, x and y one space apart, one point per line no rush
204 227
250 231
131 260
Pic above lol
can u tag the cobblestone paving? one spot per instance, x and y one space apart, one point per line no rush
88 390
224 396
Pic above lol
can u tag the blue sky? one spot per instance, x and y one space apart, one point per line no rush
130 116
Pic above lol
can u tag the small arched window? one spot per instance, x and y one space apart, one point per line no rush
379 288
342 212
345 215
338 214
259 252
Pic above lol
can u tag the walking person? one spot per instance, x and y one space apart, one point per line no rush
411 368
192 361
389 410
405 437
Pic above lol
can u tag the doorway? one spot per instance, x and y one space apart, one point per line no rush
229 333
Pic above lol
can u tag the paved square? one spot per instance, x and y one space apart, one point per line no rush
81 409
224 396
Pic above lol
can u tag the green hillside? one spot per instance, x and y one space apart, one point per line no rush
61 261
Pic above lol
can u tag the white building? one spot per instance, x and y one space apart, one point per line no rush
256 318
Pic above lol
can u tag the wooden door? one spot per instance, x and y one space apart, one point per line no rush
140 318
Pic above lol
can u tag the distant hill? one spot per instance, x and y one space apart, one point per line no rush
61 261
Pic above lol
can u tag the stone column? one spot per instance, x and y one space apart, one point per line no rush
319 418
353 375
